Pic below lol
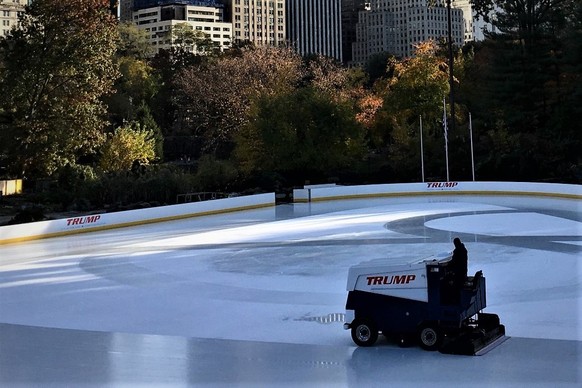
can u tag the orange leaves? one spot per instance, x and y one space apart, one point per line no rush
368 106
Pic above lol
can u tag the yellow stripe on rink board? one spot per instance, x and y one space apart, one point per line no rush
129 224
448 192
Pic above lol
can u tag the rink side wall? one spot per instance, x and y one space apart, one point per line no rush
329 193
315 193
96 222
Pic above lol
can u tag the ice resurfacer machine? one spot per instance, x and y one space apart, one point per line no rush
418 303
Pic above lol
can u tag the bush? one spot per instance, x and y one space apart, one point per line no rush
215 175
28 214
127 145
152 184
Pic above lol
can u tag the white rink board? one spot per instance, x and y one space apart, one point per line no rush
440 188
97 222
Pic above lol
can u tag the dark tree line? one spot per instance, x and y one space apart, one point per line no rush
524 87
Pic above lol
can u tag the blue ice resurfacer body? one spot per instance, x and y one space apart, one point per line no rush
418 301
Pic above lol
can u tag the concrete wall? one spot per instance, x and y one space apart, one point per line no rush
96 222
315 194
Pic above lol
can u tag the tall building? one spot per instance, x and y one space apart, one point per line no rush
9 12
125 10
350 11
465 6
159 20
127 7
395 26
314 27
261 22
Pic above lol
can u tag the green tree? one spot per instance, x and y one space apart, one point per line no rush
526 87
376 66
128 145
524 20
215 175
303 134
133 41
57 65
186 39
138 84
417 88
147 122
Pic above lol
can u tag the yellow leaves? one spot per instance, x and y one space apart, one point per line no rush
426 48
137 77
419 83
421 69
126 146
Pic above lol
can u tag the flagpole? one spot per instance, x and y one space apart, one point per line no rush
421 150
451 64
472 154
446 136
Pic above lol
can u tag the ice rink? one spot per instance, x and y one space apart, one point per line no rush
256 298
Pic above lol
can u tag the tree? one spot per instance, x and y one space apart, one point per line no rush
146 121
376 65
186 39
416 89
133 42
526 87
57 65
524 20
215 97
127 146
137 85
327 75
303 134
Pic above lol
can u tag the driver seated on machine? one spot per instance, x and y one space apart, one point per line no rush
456 273
458 264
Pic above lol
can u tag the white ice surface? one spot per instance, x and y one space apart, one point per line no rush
516 224
255 278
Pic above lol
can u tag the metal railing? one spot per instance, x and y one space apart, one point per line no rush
200 196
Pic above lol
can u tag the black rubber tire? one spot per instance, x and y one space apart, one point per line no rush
364 333
429 337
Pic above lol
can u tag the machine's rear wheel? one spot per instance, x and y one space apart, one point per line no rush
364 333
430 337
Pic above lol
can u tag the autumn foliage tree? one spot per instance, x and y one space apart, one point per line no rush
126 146
215 97
56 65
417 88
